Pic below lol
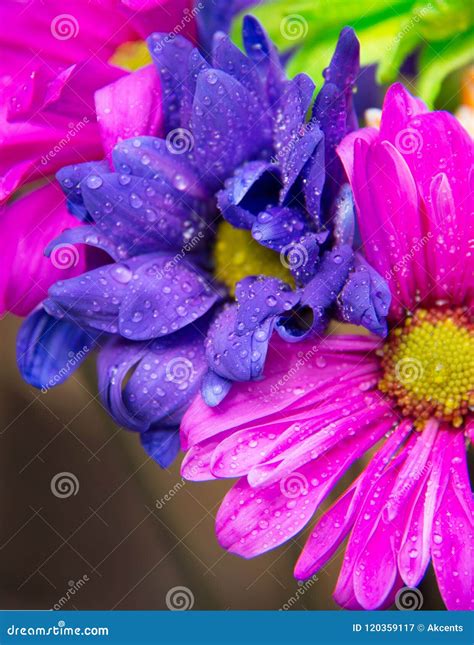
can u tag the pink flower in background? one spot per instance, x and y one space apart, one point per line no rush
322 406
63 100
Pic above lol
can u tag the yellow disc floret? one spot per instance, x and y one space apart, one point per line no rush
429 366
131 55
237 255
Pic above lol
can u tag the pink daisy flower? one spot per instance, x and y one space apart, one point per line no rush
64 100
409 399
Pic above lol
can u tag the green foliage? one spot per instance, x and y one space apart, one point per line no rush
388 31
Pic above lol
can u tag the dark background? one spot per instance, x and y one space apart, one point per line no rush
128 553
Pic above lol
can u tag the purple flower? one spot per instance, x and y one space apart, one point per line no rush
238 144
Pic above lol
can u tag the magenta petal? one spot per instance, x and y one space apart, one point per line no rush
254 520
50 128
346 148
326 537
398 108
28 225
452 542
196 465
414 554
321 362
334 525
41 30
369 512
130 107
330 434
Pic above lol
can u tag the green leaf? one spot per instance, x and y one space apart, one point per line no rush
388 30
440 59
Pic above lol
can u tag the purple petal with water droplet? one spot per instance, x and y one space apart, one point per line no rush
163 297
365 298
70 178
249 191
161 378
170 56
278 226
140 215
225 125
320 294
50 350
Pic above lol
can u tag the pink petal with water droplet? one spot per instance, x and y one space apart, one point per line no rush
452 543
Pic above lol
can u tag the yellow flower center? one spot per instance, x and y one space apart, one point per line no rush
429 366
131 56
237 255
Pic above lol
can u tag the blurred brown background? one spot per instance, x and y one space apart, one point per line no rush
109 543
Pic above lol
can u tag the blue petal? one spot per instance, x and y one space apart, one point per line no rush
313 178
334 106
291 109
228 58
140 215
365 298
167 162
170 56
236 357
237 342
70 178
50 350
300 155
260 298
92 299
164 296
150 385
321 292
148 296
161 445
214 388
264 55
343 219
89 235
196 65
253 187
225 125
301 256
279 226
